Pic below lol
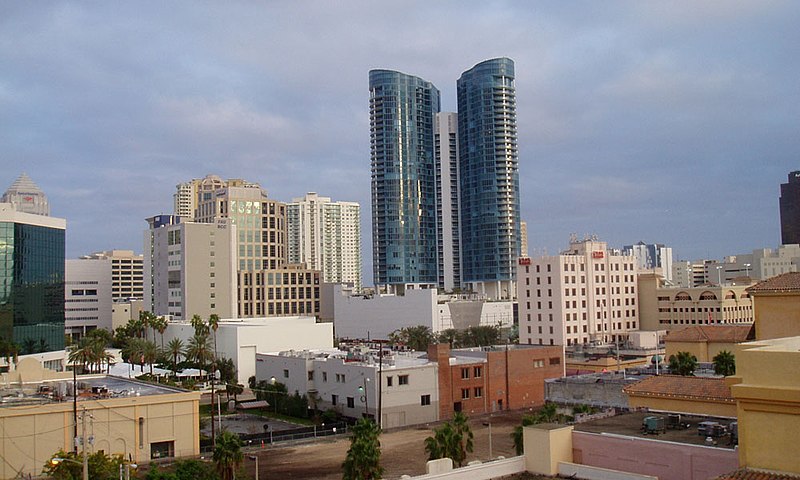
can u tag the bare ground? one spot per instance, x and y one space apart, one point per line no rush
402 451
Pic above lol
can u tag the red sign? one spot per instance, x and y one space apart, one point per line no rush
598 254
524 261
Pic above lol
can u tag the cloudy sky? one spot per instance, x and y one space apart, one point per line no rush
669 122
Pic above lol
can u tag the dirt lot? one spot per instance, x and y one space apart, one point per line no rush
403 451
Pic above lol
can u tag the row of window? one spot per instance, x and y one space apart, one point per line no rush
477 372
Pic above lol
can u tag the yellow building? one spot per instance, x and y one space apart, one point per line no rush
675 393
777 306
139 420
767 391
706 341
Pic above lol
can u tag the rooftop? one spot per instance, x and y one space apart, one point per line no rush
749 474
683 388
89 388
786 282
712 334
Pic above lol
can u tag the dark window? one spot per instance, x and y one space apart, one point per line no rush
402 379
351 402
162 449
425 400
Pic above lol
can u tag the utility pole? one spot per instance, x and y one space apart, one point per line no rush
213 437
83 444
75 408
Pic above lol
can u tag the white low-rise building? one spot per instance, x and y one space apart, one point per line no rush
376 316
240 339
348 383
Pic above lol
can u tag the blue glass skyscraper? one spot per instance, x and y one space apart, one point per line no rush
402 112
489 176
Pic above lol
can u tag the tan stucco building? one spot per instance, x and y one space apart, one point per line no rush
139 420
706 341
689 394
767 391
777 306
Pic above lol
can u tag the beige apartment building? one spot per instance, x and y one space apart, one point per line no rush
189 268
287 291
668 308
585 295
138 420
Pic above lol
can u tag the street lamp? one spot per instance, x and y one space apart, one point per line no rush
255 459
84 464
719 275
747 270
272 381
365 396
126 466
489 424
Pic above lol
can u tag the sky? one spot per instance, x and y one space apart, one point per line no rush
663 122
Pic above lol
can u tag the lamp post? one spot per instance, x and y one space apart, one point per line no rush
747 270
272 382
255 459
719 275
489 424
363 390
125 467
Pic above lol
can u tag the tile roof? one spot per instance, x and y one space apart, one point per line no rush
786 282
712 334
683 388
748 474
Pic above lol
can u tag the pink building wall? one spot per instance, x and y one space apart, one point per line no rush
665 460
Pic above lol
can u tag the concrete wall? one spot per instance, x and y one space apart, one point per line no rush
378 316
574 470
482 471
589 390
698 407
777 315
665 460
84 310
546 445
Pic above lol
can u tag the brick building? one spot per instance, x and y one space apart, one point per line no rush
487 379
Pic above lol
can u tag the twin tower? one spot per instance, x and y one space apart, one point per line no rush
445 186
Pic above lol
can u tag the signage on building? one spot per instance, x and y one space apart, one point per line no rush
524 261
598 254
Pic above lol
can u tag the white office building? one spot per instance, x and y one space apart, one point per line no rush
326 236
240 339
376 316
587 294
654 257
87 292
348 382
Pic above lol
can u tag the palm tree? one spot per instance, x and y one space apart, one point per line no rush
160 324
199 350
450 336
684 363
82 353
149 354
213 322
200 327
364 455
175 349
416 338
146 319
724 363
453 440
227 454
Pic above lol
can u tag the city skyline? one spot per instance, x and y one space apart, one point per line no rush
671 124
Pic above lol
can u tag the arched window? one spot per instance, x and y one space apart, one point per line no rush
682 297
730 295
708 296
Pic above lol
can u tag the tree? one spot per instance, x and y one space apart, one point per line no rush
149 354
175 350
101 466
200 327
235 390
416 338
133 351
227 454
199 350
547 414
724 363
684 363
449 336
213 323
451 440
147 319
160 324
81 352
364 455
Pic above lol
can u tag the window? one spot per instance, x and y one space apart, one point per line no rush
351 402
465 373
538 363
311 375
402 379
162 449
324 376
425 400
285 373
334 399
555 361
478 371
478 392
389 381
464 393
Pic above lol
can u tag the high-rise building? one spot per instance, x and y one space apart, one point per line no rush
586 294
489 170
790 209
87 296
654 256
326 236
189 268
26 197
402 113
448 211
189 194
127 277
31 279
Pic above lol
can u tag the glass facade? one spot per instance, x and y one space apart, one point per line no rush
489 171
402 111
32 286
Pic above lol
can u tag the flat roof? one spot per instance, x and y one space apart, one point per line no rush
94 387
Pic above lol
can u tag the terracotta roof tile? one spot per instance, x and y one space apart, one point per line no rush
748 474
711 334
687 388
786 282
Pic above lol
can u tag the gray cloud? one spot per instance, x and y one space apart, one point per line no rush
669 122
